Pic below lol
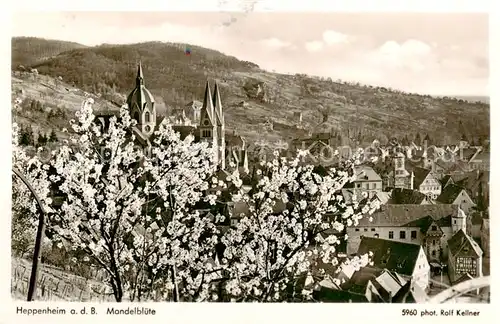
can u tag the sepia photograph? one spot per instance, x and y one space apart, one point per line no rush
242 157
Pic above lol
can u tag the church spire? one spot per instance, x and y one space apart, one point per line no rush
218 106
208 104
139 80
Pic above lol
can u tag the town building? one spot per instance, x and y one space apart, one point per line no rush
456 195
367 180
403 196
407 260
427 225
205 123
464 257
426 182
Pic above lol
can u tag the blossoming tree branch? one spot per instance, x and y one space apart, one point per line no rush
136 214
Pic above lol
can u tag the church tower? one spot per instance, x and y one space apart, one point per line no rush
459 221
141 105
221 138
401 179
208 123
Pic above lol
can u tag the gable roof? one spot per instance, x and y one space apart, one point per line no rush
406 196
447 179
449 194
410 293
462 244
402 215
419 176
366 173
391 255
382 196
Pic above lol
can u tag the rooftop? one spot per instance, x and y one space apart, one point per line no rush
391 255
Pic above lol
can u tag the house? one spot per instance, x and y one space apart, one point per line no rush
464 257
456 195
367 285
474 224
428 225
406 259
410 293
367 180
485 237
447 179
480 161
382 197
426 182
403 196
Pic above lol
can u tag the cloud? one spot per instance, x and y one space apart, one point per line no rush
331 37
275 43
314 46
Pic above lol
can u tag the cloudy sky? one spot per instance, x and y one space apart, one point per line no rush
434 53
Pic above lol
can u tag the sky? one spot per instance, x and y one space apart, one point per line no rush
428 53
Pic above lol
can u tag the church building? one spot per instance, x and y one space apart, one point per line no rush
210 126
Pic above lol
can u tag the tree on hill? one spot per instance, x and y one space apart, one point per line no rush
42 139
27 137
53 137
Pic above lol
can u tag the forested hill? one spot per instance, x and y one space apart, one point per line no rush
251 96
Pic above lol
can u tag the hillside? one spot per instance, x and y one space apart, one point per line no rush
252 97
27 51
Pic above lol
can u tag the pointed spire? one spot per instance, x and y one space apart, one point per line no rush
208 103
218 105
140 76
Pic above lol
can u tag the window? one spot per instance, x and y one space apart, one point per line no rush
434 227
147 117
433 252
358 185
413 235
357 229
402 235
206 133
373 230
366 229
455 221
391 234
464 201
376 235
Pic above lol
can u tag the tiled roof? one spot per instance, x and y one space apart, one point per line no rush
382 196
419 176
463 244
410 293
449 194
406 196
366 173
391 255
447 178
400 215
184 131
